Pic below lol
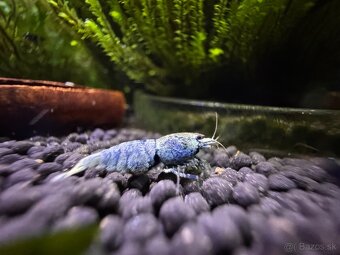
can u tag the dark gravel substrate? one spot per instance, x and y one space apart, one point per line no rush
246 205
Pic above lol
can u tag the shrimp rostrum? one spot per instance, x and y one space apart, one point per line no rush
139 156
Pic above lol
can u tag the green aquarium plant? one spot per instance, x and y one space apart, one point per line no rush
35 45
195 48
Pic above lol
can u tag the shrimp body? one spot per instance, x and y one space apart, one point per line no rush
139 156
130 157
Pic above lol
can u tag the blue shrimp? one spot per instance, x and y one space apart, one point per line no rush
138 156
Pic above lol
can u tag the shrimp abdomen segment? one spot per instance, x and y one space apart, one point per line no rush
131 157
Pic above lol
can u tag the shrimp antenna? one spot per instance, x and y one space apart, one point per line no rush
213 137
221 146
216 124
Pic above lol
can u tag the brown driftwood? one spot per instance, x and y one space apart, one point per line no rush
31 107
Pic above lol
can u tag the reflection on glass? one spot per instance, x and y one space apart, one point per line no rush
271 130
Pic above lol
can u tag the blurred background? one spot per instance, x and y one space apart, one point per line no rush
283 53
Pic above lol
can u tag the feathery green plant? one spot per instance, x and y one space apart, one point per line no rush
33 44
178 46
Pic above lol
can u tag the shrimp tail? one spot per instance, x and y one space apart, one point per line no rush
91 161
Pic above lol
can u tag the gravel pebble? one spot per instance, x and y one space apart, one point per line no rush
97 134
295 162
222 231
306 206
77 216
282 230
51 152
94 172
246 194
136 206
265 168
230 175
5 151
191 186
264 240
304 229
5 170
82 138
206 155
18 199
48 168
256 157
277 162
243 172
112 133
62 157
141 227
162 191
280 182
302 182
25 174
239 216
174 213
99 193
127 197
6 143
158 245
328 189
324 203
51 207
240 160
130 248
257 180
284 201
154 172
191 239
71 146
10 158
310 208
231 150
109 201
71 137
120 179
22 147
217 191
197 202
269 206
24 163
330 165
315 173
52 139
220 158
38 139
35 150
38 155
111 232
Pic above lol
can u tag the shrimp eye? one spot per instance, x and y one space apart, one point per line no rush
199 137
